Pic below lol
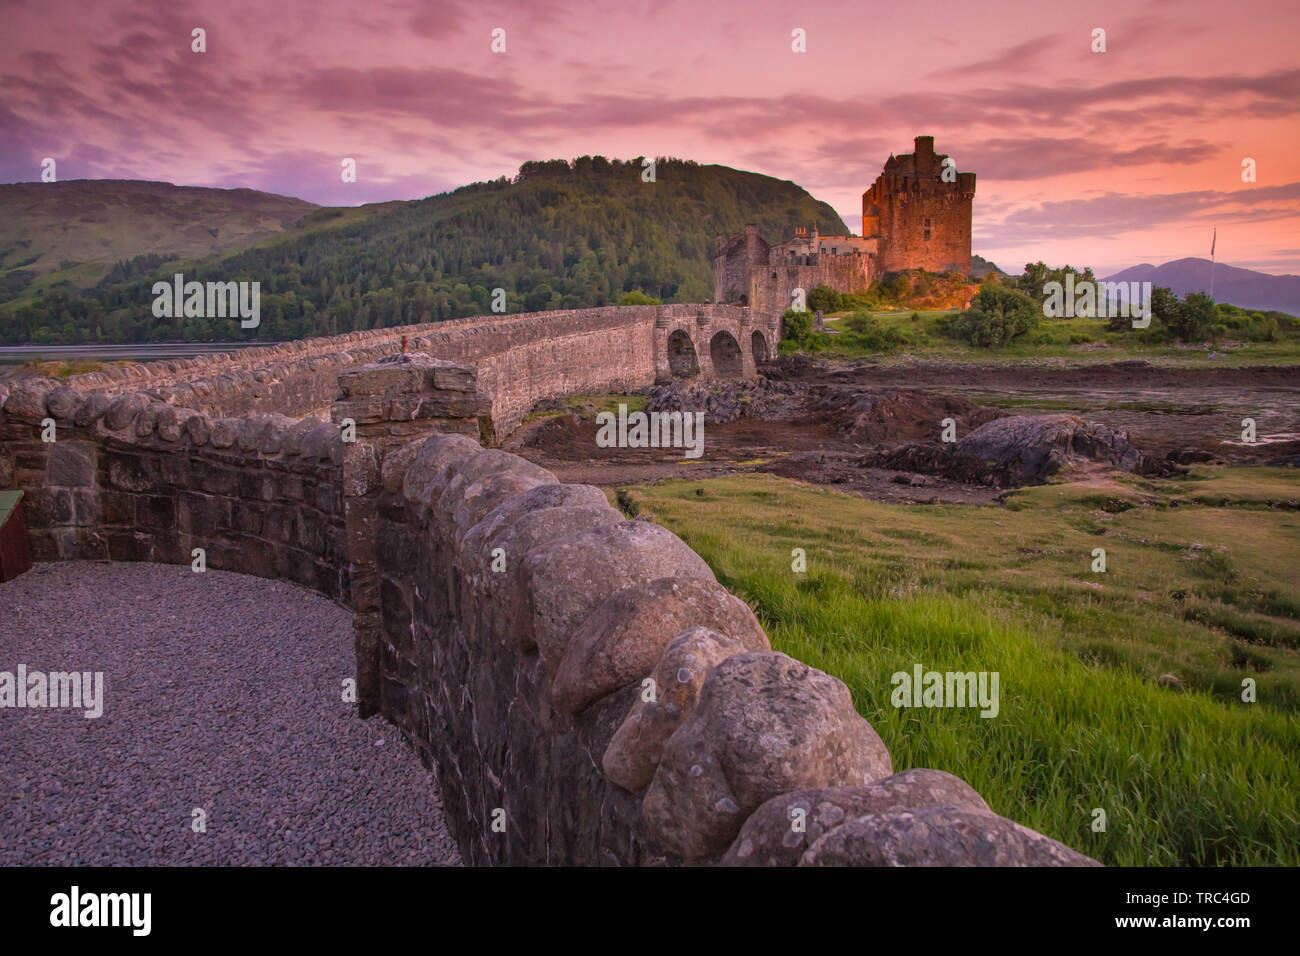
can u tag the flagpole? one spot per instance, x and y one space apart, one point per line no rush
1213 242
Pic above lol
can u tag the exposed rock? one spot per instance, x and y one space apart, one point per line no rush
1024 450
624 638
1191 456
725 400
938 836
765 724
784 827
898 414
637 746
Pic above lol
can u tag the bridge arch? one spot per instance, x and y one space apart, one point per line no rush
724 352
683 362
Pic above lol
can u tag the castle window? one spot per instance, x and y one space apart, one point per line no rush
927 230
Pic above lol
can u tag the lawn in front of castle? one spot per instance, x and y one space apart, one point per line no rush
1119 690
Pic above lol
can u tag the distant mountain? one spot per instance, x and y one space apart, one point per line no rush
980 267
558 235
81 227
1242 287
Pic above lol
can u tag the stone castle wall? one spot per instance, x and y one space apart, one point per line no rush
772 287
911 219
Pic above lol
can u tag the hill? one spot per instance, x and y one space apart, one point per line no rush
1243 287
558 235
77 230
980 267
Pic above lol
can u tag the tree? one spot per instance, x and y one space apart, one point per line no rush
997 316
1195 319
1037 275
825 299
637 297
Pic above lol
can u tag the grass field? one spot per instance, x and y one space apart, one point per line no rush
1120 690
1079 340
578 403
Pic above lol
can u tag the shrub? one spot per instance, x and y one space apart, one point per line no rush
897 288
868 333
826 299
637 297
1195 319
997 316
798 325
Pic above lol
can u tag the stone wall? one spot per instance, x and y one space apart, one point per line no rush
521 359
586 689
772 286
590 694
133 479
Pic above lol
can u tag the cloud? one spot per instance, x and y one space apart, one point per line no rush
1114 213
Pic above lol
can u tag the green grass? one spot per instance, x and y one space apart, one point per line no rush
66 369
1079 340
602 403
1120 690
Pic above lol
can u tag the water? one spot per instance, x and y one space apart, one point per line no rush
131 351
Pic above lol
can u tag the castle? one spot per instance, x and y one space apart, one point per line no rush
916 215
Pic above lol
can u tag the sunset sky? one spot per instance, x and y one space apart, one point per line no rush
1102 159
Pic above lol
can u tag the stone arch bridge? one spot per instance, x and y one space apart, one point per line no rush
520 360
715 342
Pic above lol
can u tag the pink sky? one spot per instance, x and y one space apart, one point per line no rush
1107 160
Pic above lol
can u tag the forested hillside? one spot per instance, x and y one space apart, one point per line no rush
559 235
76 230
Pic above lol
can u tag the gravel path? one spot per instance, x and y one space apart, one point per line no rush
222 692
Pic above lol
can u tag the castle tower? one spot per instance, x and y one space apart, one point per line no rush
922 221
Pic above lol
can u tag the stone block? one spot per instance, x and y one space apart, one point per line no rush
765 724
72 464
